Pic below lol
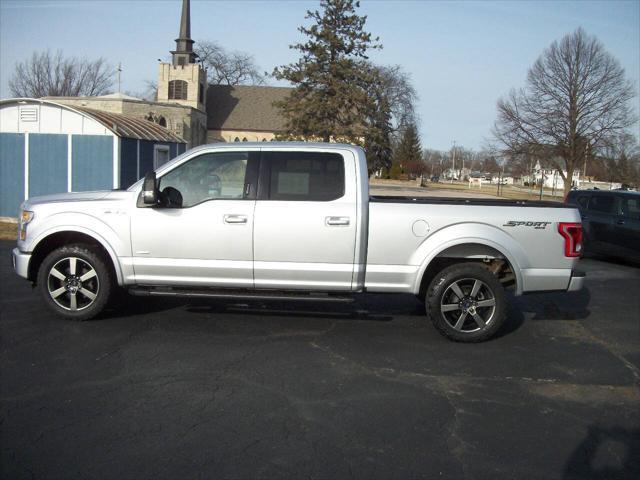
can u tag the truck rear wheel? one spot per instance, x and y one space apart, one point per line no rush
466 303
75 282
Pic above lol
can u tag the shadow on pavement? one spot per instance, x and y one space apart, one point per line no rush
555 305
286 309
545 306
605 453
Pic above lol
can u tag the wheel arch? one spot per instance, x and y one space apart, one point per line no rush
465 248
51 240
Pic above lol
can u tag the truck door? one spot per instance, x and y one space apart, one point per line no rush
208 240
305 220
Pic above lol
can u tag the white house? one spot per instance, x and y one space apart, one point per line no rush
551 176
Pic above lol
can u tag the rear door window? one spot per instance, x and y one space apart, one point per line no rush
582 201
631 208
301 176
602 204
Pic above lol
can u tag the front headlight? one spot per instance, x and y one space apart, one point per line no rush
25 217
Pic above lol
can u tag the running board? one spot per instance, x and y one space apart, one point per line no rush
237 294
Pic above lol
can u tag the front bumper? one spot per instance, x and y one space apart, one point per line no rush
21 263
577 281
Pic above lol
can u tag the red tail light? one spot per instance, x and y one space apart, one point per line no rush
572 233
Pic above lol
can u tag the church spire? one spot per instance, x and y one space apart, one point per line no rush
183 54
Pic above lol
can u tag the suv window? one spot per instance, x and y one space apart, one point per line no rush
631 208
209 176
302 176
602 203
583 201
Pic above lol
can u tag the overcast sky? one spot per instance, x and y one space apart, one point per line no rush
462 56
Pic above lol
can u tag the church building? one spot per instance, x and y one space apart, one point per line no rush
190 108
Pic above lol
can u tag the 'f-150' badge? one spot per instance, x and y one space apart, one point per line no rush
516 223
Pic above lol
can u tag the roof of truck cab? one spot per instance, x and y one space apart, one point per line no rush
277 145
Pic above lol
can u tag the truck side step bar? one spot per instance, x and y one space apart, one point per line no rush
238 294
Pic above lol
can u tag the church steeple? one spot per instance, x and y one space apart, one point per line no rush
183 54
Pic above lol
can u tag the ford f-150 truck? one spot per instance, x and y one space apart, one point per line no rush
293 220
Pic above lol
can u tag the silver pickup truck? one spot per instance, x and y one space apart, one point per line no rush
295 221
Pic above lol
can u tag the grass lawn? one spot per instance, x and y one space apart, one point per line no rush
8 231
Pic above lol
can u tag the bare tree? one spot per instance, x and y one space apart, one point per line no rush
576 98
400 95
149 92
619 160
228 68
48 74
390 112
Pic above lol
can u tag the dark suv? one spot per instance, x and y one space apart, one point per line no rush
610 221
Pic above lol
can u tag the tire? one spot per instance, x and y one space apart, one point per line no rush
75 282
476 312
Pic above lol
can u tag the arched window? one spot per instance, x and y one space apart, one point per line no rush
244 139
236 139
162 122
264 139
177 90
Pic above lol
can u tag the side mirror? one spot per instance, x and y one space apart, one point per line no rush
149 189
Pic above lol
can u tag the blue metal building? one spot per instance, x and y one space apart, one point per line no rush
46 147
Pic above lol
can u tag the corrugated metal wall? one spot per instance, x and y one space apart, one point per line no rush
11 173
92 163
137 158
146 156
128 162
48 156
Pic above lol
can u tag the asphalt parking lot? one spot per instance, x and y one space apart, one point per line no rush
221 389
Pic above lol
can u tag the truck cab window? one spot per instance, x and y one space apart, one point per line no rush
208 177
302 176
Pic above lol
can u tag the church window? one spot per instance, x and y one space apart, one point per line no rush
177 90
244 139
201 94
162 122
236 139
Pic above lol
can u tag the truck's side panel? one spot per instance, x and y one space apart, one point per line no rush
405 237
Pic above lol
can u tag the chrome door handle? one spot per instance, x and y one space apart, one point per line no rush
235 218
337 221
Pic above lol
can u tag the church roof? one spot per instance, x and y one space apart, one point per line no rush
243 107
131 127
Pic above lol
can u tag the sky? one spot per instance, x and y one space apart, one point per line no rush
462 56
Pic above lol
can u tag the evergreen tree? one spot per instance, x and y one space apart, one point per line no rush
408 153
331 100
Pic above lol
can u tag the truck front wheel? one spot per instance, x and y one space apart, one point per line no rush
75 282
466 303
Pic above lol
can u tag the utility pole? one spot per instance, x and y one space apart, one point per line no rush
453 166
119 71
